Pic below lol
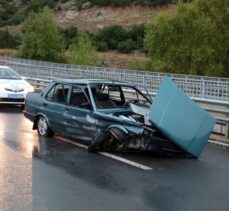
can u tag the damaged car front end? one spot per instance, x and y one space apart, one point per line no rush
111 115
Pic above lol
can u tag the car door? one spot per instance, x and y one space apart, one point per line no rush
77 112
54 106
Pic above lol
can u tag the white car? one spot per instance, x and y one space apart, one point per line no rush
13 88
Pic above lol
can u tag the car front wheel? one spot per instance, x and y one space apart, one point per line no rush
43 128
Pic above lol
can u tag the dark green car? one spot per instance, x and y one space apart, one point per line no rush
112 115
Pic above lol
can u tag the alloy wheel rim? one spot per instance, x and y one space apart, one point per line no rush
42 126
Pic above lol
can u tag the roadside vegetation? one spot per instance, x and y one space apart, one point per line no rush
41 37
7 40
194 39
82 51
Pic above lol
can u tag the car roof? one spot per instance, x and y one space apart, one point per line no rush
91 81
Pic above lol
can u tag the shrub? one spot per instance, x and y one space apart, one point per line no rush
7 9
7 40
126 46
70 35
101 46
112 36
37 5
18 17
101 2
82 52
119 3
137 34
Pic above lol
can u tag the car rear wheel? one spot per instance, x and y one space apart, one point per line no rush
43 128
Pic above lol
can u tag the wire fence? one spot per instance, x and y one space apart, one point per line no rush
195 86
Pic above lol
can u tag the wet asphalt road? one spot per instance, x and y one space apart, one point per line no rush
48 174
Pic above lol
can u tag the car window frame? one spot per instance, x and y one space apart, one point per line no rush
54 86
87 97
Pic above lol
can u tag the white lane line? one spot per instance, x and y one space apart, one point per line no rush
71 142
125 161
129 162
219 143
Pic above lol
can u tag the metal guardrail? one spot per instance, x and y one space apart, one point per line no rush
219 109
194 86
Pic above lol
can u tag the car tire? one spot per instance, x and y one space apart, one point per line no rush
43 128
98 140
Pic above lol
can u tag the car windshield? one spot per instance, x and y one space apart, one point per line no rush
107 96
8 73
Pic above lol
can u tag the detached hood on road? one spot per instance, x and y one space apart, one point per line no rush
180 119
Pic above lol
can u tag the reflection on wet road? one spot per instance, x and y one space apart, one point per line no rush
16 146
48 174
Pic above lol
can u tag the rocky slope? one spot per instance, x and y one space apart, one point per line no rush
91 18
94 18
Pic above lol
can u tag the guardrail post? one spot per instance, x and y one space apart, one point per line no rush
203 87
227 130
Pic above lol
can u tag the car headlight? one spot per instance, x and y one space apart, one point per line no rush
29 89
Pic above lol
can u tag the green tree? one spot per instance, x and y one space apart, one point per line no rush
41 38
195 40
82 52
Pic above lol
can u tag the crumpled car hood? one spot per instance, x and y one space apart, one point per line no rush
180 119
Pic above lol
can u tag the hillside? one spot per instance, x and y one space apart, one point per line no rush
91 18
67 14
97 17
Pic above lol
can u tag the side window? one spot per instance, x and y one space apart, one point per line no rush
78 98
49 96
58 93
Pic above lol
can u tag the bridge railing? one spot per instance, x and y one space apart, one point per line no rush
195 86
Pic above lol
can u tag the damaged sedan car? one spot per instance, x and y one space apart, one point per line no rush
111 115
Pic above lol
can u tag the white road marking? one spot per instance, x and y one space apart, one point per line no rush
71 142
129 162
219 143
125 161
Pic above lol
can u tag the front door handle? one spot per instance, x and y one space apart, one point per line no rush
45 104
